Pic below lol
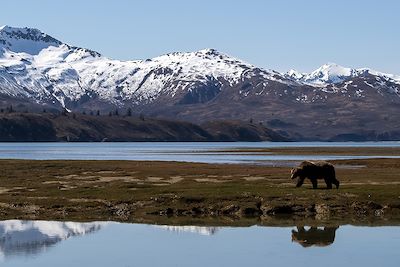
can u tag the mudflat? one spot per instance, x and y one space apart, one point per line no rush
151 191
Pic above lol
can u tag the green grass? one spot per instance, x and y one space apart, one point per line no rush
133 190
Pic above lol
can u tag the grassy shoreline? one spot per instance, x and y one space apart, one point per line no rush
151 191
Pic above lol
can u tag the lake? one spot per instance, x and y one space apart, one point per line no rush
189 152
49 243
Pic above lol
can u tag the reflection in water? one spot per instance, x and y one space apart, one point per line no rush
124 244
202 230
314 236
33 237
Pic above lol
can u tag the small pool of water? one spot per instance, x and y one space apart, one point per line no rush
49 243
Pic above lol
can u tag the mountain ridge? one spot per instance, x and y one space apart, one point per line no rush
201 86
332 73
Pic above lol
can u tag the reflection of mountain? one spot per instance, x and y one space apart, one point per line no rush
33 237
192 229
314 236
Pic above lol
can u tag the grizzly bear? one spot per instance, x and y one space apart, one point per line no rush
314 171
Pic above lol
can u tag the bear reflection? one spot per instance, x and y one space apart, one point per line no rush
314 236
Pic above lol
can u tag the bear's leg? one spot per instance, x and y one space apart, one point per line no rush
314 183
333 178
300 181
328 183
336 183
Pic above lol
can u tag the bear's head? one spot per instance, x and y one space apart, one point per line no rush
296 172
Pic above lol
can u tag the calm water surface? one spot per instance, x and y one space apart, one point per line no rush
191 152
46 243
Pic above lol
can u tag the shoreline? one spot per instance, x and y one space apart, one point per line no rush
135 191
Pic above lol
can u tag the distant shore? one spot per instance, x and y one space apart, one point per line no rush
63 126
77 127
145 191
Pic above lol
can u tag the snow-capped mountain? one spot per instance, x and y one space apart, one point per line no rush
333 74
36 66
25 40
38 71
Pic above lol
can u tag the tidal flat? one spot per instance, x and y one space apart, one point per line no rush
198 193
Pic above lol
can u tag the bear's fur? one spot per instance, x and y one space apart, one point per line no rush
314 236
314 171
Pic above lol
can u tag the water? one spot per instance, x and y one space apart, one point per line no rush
190 152
46 243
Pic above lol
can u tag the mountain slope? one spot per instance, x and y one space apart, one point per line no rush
35 65
333 102
47 127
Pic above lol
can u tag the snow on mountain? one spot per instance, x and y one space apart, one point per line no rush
145 79
333 74
330 73
326 74
34 64
41 69
388 77
25 40
294 74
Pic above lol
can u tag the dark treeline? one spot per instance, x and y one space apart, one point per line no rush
65 112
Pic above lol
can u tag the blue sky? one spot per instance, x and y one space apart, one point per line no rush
281 35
